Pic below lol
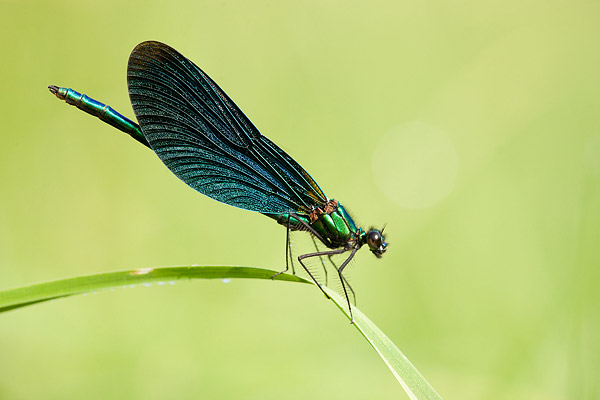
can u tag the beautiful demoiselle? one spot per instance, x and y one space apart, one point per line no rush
208 143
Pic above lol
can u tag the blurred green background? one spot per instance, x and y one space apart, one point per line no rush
470 128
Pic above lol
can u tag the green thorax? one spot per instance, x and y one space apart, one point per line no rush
336 228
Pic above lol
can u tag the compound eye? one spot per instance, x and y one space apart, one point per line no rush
374 239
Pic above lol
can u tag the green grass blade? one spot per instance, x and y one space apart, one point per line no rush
411 380
409 377
28 295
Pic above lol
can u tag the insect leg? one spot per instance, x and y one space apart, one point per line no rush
342 280
317 254
321 258
288 251
345 280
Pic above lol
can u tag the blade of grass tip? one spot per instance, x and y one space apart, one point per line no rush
20 297
415 385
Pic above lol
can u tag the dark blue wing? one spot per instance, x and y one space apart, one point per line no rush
206 140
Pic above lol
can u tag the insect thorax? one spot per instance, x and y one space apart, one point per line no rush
334 228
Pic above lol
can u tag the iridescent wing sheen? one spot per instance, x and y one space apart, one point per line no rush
206 140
